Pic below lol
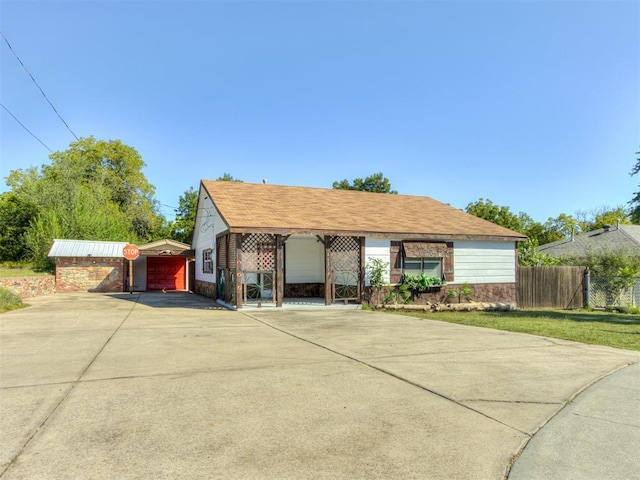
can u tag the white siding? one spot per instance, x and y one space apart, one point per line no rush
484 262
377 248
304 260
208 225
140 274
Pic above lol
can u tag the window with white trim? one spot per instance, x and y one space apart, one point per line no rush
430 266
207 261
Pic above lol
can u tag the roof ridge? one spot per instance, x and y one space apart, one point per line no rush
627 234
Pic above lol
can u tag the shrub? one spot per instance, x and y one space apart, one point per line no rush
9 300
421 283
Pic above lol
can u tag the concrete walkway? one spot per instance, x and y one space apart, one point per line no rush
170 386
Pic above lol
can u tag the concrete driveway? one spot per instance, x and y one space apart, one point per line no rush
169 386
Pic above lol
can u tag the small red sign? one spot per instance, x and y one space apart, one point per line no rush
130 252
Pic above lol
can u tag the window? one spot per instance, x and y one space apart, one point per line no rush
207 261
431 267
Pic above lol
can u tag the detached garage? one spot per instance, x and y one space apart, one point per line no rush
163 265
96 266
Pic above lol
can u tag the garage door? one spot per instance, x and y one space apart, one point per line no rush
165 273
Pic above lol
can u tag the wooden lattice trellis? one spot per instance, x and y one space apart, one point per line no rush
345 268
258 266
258 252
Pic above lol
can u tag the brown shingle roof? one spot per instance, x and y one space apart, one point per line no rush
285 209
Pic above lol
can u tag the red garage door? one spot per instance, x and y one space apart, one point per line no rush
165 273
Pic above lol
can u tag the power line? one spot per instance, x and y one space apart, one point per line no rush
20 123
39 88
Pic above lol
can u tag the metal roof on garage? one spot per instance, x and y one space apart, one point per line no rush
86 248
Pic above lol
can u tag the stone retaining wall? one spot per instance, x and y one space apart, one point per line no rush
28 287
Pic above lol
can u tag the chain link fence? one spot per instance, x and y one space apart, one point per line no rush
607 292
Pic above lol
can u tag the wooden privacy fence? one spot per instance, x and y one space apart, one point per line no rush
552 287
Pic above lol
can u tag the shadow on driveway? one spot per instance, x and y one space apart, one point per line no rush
170 299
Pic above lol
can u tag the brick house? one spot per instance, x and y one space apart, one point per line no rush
269 243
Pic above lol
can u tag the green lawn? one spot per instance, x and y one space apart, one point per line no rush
598 328
19 271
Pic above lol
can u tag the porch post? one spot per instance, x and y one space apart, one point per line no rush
361 273
279 270
238 267
327 270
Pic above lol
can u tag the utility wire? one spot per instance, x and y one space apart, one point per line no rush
20 123
39 88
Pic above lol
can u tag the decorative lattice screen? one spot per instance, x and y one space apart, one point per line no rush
345 254
345 267
258 252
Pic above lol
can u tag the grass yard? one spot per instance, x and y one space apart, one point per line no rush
598 328
8 270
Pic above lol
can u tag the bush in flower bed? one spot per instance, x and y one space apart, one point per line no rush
422 282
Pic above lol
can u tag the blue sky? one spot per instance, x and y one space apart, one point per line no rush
532 104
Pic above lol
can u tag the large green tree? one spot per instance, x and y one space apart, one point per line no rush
500 215
95 190
181 229
537 233
376 183
599 217
15 215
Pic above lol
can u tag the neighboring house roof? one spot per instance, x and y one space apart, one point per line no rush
285 209
618 237
86 248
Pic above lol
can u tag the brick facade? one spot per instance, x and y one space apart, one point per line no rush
206 289
482 292
304 290
28 287
86 274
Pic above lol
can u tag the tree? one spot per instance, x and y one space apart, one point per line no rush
182 228
15 215
599 217
226 177
554 229
529 255
376 183
499 215
615 269
95 190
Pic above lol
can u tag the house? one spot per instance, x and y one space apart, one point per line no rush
602 291
258 243
97 266
626 237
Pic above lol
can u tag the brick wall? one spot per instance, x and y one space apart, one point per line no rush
206 289
304 290
28 287
482 292
81 274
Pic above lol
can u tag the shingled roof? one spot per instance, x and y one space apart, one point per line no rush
250 207
625 237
